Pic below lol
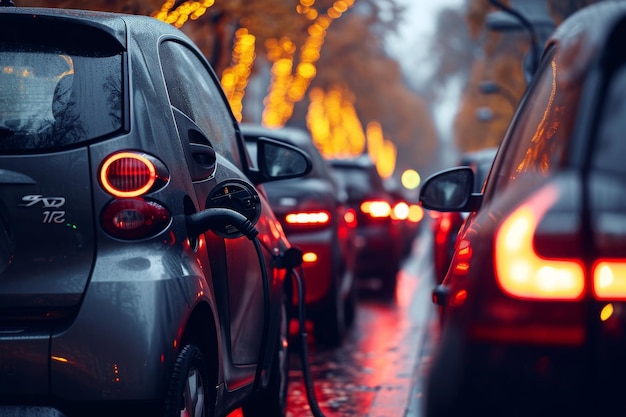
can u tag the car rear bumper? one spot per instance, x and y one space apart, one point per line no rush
120 346
323 274
510 379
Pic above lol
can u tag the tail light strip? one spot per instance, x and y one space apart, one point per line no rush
520 271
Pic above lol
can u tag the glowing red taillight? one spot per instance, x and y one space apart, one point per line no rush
134 218
376 208
520 271
350 218
416 213
609 279
131 174
400 211
318 218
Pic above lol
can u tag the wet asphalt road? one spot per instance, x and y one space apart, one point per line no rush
378 370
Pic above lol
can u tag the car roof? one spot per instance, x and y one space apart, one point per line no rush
362 161
583 35
293 135
118 25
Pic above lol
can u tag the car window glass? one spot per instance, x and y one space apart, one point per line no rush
542 128
193 91
358 182
51 98
610 144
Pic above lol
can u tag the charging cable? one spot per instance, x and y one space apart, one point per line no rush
219 218
304 351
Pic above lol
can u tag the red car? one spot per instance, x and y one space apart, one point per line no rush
312 211
378 237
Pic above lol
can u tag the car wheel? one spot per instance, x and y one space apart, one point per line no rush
272 400
389 284
349 306
329 325
188 392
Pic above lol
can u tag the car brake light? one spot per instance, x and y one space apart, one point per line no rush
134 218
309 257
416 213
131 174
609 279
350 218
400 211
520 271
310 218
376 208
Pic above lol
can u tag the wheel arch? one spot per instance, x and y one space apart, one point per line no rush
200 330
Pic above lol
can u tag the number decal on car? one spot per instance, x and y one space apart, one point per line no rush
49 216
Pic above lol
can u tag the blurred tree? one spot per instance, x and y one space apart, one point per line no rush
354 58
498 60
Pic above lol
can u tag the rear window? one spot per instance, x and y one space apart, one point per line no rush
51 98
359 182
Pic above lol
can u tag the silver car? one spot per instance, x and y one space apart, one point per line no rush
141 272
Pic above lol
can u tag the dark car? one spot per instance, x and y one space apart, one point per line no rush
446 225
534 301
378 238
138 271
312 212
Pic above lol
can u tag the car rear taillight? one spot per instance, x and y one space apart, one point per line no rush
134 218
315 218
132 174
376 208
609 279
127 176
400 211
523 273
416 213
349 217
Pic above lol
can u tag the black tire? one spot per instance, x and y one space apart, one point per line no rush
271 401
189 386
350 306
389 284
329 324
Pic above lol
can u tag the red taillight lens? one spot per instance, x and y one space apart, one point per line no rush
316 218
131 174
350 218
609 279
520 271
416 213
134 218
376 208
400 211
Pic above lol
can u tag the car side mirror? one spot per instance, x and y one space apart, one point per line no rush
276 160
450 190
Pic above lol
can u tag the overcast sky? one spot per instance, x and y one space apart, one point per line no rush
411 49
416 33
